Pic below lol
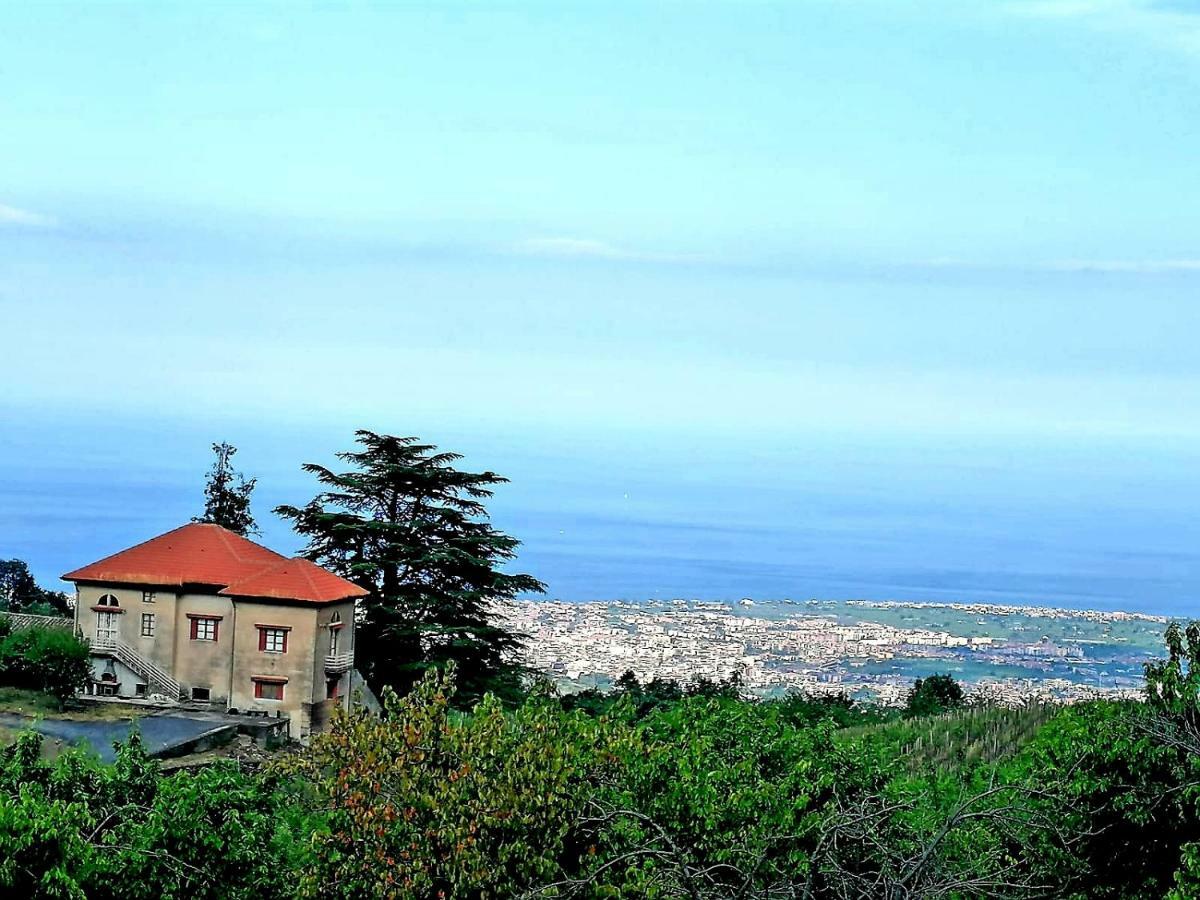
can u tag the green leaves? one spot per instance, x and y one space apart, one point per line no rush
51 660
76 828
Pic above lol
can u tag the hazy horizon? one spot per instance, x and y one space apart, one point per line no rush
896 300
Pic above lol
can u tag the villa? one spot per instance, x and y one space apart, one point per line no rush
203 615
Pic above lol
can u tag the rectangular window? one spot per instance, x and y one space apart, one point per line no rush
147 624
268 690
200 694
272 639
204 628
149 596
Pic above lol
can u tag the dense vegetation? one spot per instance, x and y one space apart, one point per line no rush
51 660
654 791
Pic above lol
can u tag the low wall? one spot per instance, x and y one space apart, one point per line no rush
25 620
214 737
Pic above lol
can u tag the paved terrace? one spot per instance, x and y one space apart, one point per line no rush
164 733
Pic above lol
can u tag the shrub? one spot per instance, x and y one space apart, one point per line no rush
45 659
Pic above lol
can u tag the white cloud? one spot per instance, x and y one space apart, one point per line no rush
1173 23
587 248
1134 266
1116 266
10 215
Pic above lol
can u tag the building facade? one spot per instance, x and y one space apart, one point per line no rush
203 615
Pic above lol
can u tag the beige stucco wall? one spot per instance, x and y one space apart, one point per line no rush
159 649
296 665
227 666
203 664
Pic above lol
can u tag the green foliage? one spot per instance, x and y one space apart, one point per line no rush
957 740
933 695
801 709
78 829
52 660
1125 797
664 791
412 529
1187 878
20 593
227 494
429 803
630 694
1173 684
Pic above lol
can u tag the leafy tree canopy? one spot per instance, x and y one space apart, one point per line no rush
19 592
933 695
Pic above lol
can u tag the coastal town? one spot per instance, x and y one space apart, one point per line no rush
821 650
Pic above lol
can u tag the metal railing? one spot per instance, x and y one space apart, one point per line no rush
157 680
339 662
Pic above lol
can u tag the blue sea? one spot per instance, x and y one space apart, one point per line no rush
1088 525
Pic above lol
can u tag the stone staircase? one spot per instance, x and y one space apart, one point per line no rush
157 680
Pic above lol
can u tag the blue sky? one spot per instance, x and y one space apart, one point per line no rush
547 233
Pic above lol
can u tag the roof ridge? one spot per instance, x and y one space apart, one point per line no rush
307 572
148 540
237 551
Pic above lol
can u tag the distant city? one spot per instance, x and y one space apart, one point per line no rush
867 649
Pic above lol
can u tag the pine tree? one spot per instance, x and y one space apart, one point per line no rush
227 494
407 526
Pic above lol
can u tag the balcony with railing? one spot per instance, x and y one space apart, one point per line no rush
337 663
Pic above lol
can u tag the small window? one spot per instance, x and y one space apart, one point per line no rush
272 639
268 690
200 694
107 600
147 624
139 690
204 629
149 596
331 688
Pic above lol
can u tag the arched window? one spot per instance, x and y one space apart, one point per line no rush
107 600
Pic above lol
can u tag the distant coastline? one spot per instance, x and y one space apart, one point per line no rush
873 649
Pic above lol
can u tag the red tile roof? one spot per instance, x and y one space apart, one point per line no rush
295 579
204 554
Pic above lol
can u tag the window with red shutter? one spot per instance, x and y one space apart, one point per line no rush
268 689
204 628
273 638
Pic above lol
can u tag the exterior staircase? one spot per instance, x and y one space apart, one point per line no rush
157 680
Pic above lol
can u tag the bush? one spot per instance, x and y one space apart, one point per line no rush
45 659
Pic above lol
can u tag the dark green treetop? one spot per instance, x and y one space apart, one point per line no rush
19 592
227 494
933 695
406 525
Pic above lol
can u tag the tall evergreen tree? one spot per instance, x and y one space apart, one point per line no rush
227 494
409 527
